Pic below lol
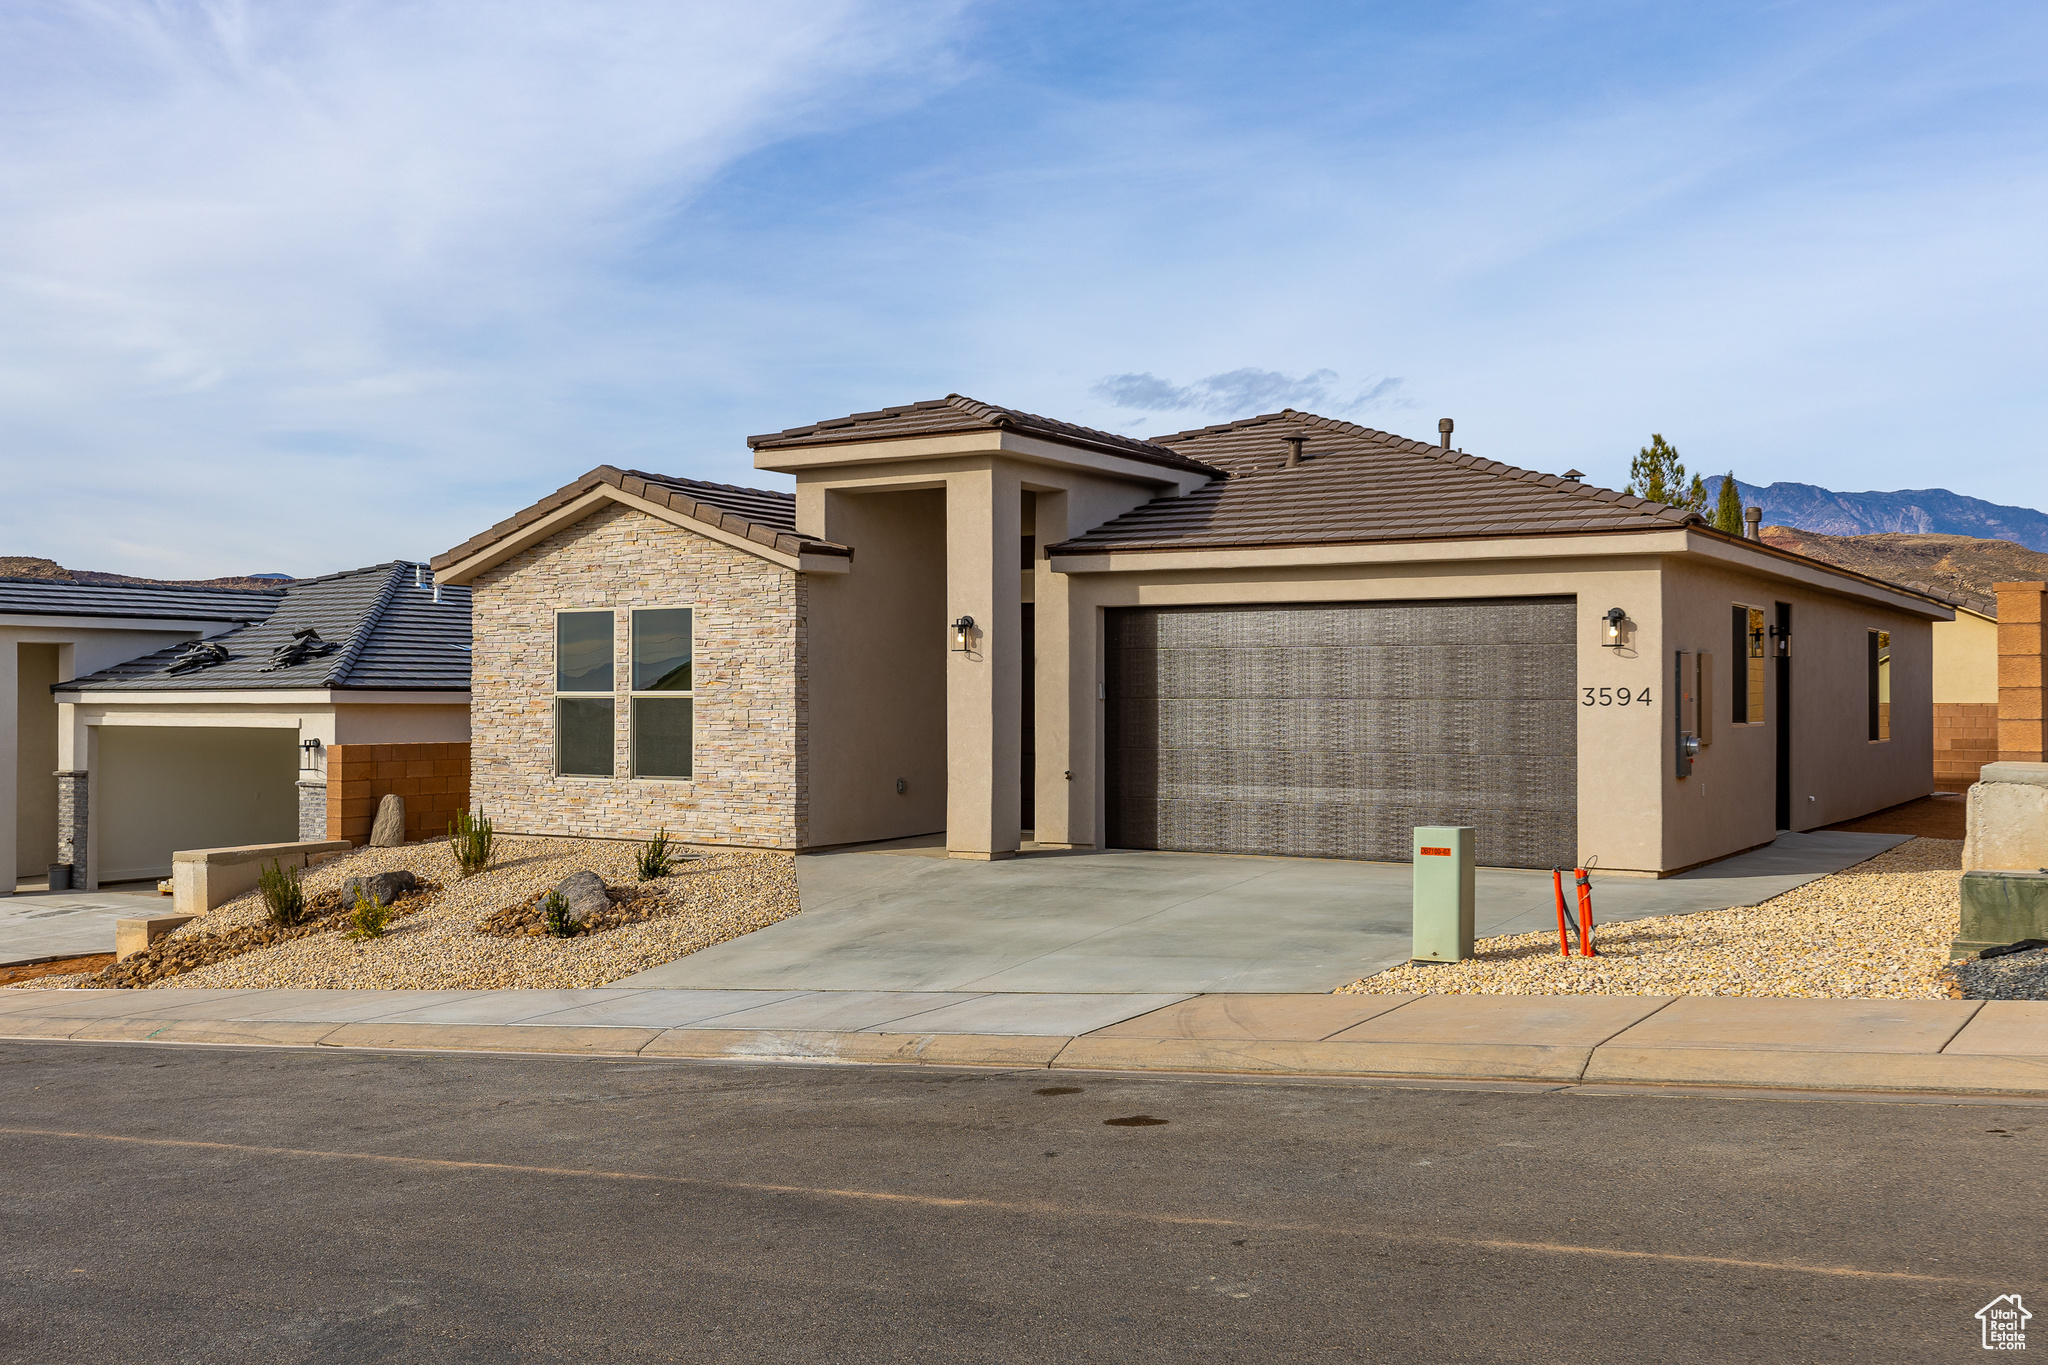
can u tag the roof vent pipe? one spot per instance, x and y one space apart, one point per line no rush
1444 427
1753 523
1294 445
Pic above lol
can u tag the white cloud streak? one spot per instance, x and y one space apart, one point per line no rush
261 261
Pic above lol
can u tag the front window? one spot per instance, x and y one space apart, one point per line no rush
1880 684
583 694
664 686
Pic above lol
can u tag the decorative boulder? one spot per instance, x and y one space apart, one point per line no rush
389 831
583 895
383 887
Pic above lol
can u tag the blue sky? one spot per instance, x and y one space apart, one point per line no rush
300 286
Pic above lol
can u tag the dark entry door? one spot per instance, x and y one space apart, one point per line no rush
1331 730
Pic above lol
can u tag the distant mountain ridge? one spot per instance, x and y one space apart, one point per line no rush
1923 511
33 566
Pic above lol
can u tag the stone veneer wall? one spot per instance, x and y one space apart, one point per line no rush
750 676
1965 739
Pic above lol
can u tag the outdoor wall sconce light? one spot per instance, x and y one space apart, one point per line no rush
311 750
1611 638
963 630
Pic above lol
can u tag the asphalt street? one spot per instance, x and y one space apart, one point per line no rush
226 1205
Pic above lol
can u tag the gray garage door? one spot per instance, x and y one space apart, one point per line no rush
1330 730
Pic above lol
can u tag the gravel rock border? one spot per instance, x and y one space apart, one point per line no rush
725 893
1877 931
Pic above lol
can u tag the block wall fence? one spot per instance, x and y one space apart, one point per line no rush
433 779
1965 739
2022 682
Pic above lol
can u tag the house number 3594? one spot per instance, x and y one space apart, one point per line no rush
1615 696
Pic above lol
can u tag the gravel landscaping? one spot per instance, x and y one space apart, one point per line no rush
1877 931
717 896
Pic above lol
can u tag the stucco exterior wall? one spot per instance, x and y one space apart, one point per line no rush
877 642
1837 773
401 724
35 759
750 678
1966 659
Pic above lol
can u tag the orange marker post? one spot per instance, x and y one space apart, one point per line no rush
1564 933
1585 914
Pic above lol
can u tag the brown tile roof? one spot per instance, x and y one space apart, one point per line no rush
1356 484
763 515
939 416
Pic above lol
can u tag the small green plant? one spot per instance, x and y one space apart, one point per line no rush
655 859
554 913
283 897
370 917
471 840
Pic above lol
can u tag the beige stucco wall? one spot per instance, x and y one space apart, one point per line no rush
877 640
1966 659
400 724
35 759
1730 800
160 789
749 676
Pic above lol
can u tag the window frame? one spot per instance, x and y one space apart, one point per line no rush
1748 694
1879 655
609 695
636 694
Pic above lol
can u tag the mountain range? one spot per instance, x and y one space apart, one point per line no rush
31 566
1920 511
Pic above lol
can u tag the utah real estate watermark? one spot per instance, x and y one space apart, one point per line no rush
2005 1323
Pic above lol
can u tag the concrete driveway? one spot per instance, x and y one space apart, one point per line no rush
1118 921
35 925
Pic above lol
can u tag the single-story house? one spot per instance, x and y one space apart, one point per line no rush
288 723
1286 635
52 629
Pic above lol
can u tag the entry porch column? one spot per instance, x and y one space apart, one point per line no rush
984 681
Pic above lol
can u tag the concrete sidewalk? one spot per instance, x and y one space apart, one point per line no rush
1948 1046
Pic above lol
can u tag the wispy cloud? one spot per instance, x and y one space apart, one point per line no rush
264 260
1242 393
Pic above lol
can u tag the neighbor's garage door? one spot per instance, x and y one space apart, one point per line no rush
1330 730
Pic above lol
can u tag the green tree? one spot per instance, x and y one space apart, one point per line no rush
1728 509
1656 474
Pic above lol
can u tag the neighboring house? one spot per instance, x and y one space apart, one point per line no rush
1285 635
51 629
1965 689
289 724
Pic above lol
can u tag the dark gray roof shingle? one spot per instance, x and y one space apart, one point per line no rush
1357 484
954 413
138 601
389 635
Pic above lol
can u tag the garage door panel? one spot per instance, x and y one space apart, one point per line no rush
1447 671
1410 726
1307 777
1332 730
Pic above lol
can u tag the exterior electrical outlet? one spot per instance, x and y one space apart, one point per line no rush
1443 893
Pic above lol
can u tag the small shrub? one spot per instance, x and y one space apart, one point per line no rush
283 897
555 914
655 859
471 840
369 919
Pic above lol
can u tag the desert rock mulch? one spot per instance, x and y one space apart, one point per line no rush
63 966
718 896
1879 930
175 954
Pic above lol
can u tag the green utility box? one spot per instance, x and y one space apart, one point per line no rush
1443 893
1998 908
